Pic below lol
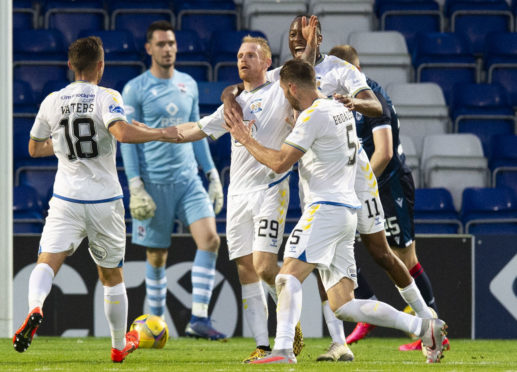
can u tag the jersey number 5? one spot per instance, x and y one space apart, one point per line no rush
82 144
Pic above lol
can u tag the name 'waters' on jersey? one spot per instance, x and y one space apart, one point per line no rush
269 108
77 118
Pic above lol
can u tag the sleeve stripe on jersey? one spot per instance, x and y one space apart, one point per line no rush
296 146
113 121
360 90
306 118
383 126
39 139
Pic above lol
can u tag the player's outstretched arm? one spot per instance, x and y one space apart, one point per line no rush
189 132
279 161
364 102
140 133
39 149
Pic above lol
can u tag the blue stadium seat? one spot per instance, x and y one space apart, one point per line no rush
294 211
434 212
207 18
118 44
53 86
41 178
489 210
73 17
136 16
445 59
39 45
482 109
191 57
27 211
210 96
117 74
37 74
474 19
23 98
24 15
504 161
501 61
224 46
409 17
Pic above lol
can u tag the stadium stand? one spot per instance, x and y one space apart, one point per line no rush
446 59
384 56
484 110
421 109
435 213
454 161
503 161
489 210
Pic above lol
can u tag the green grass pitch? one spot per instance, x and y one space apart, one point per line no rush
371 354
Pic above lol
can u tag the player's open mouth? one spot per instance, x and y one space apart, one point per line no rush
299 50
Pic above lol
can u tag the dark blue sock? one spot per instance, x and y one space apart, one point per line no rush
424 285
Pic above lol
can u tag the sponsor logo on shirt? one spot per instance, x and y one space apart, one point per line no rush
172 109
256 106
116 109
182 87
253 133
399 202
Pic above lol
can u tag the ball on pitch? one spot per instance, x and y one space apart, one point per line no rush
153 331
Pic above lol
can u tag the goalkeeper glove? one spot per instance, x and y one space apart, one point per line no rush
141 205
215 190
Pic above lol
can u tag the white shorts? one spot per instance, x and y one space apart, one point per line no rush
370 218
324 236
255 221
68 223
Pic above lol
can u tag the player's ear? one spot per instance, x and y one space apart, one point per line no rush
70 66
148 48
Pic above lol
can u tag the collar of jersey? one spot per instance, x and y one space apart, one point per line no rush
260 87
322 57
81 81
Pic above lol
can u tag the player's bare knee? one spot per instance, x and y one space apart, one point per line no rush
212 243
266 272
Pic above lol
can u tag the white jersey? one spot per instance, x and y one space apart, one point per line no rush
333 75
269 108
326 133
77 118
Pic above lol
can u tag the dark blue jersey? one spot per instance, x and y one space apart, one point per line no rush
367 125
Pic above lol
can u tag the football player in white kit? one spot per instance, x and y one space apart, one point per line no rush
80 124
324 141
335 76
257 196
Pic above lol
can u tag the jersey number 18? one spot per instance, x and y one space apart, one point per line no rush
81 145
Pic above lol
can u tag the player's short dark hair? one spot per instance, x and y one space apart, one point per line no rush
318 24
84 53
158 26
299 72
346 53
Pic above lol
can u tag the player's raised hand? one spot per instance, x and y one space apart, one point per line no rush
347 101
231 105
241 132
309 30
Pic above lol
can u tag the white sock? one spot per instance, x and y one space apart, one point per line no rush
271 289
115 308
380 314
411 294
40 284
289 310
255 312
335 325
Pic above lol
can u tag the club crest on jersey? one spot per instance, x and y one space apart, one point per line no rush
182 87
256 106
358 116
141 232
116 109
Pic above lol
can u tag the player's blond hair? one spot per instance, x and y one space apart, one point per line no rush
265 50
